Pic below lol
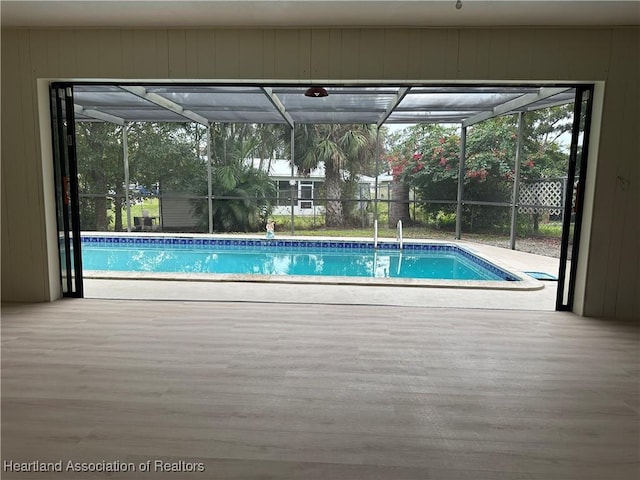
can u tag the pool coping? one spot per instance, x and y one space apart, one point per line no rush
524 282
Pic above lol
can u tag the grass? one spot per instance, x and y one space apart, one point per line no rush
552 229
152 205
314 227
383 232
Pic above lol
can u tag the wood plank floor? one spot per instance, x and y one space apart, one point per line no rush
281 391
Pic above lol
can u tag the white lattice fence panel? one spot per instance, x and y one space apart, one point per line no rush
541 196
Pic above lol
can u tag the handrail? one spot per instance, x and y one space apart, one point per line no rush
375 234
399 233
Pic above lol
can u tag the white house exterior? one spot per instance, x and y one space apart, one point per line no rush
305 188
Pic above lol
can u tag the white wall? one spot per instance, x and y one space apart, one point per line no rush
610 270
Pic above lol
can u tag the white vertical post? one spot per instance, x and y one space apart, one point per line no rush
375 233
209 179
292 182
125 151
463 146
375 198
516 184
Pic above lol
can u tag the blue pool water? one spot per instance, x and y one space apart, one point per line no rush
343 259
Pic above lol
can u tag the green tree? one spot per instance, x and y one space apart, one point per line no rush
100 173
273 141
168 154
426 157
345 151
415 156
243 195
545 155
433 168
423 157
165 153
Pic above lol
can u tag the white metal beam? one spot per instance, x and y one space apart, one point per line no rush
98 115
515 104
402 92
165 103
273 98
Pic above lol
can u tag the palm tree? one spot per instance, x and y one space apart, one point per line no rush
344 150
243 195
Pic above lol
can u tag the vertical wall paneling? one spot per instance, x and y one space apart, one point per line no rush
587 52
15 229
519 44
67 55
599 54
162 52
617 149
10 105
320 53
483 54
31 187
451 49
414 54
190 52
304 53
499 53
149 48
227 54
269 53
335 54
627 197
5 238
87 58
574 46
111 52
626 214
26 210
468 54
396 53
177 55
542 57
287 55
569 55
436 46
127 54
350 54
44 46
205 54
614 254
628 295
250 55
371 53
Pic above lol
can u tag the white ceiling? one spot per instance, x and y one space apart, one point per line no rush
310 13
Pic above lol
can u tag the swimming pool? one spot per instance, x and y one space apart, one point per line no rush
306 260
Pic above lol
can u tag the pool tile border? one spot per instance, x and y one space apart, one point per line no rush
234 244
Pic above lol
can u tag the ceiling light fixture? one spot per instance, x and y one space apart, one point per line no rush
459 4
316 92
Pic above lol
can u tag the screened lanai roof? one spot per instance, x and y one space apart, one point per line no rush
288 104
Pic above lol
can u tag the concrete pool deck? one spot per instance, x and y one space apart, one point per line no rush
541 299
